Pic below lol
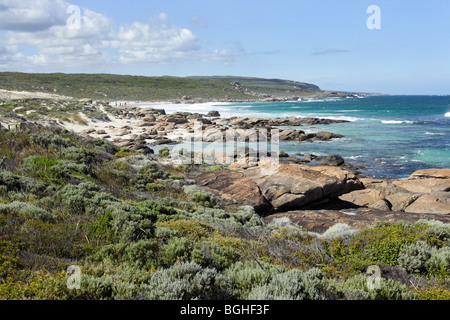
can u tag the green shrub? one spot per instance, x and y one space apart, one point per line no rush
215 168
293 284
38 166
27 210
65 169
203 198
50 140
139 254
83 199
129 222
414 257
359 287
188 281
79 155
433 293
176 250
245 275
213 255
164 152
439 262
193 230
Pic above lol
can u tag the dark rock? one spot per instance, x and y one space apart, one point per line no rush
213 114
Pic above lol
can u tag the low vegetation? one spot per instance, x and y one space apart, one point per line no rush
148 233
121 87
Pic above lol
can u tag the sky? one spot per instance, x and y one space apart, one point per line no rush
403 47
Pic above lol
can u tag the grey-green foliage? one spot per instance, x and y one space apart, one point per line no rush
131 222
13 182
339 230
245 216
139 254
175 249
105 287
50 140
65 169
293 284
437 229
188 281
245 275
363 287
27 210
213 255
84 198
414 257
79 155
203 198
439 261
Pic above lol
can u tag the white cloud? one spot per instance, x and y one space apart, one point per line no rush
31 15
41 24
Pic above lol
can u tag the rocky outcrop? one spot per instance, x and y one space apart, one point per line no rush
321 220
425 191
234 188
291 187
213 114
367 198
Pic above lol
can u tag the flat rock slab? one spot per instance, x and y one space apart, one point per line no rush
233 187
291 187
321 220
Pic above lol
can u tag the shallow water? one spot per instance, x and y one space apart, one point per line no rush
391 136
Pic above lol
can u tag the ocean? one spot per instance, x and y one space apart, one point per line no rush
387 137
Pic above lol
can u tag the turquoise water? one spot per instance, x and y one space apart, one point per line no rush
391 136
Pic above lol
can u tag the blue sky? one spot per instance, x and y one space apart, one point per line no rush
325 42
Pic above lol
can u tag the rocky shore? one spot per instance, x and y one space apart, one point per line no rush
315 192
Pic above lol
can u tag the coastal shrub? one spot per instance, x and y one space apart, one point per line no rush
104 144
64 169
245 275
104 287
27 210
216 167
139 254
38 166
176 250
79 155
129 222
188 281
414 257
84 198
439 262
363 287
213 255
437 234
164 152
339 230
124 153
38 286
383 242
293 284
155 187
434 293
114 181
100 228
50 140
52 240
16 183
150 173
203 198
193 230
